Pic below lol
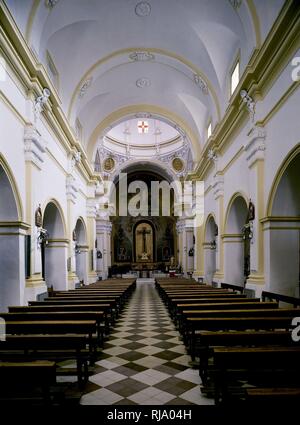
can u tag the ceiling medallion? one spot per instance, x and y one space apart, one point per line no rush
178 164
142 9
141 56
50 3
201 83
85 86
109 164
143 82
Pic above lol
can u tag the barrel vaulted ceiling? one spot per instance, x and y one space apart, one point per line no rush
170 57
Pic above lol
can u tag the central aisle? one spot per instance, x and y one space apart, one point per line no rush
144 360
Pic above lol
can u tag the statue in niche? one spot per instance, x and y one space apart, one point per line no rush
74 236
251 211
38 216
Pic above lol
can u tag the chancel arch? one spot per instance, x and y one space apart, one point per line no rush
54 249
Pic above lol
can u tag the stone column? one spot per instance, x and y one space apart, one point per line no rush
255 153
91 230
218 188
12 288
281 235
34 147
71 193
103 231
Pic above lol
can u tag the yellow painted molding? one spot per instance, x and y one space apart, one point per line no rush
13 109
133 109
15 224
276 219
283 167
256 279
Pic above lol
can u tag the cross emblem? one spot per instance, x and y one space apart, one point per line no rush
143 127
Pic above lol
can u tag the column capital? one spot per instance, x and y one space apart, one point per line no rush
103 226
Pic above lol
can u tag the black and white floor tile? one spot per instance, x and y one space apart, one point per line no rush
144 360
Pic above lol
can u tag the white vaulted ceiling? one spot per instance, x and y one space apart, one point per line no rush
173 60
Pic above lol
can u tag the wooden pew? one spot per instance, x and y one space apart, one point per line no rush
87 327
266 396
274 365
49 347
208 340
195 324
108 306
233 305
98 316
14 375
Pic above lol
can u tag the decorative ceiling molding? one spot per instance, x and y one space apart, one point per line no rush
85 86
235 3
141 56
201 83
143 82
142 9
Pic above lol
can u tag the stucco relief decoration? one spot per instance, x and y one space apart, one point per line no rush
109 164
51 3
143 9
40 101
141 56
201 83
143 82
85 86
249 103
177 164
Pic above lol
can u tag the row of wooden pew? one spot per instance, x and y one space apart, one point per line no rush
68 325
236 339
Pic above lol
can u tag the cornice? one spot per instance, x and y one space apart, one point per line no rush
34 77
263 69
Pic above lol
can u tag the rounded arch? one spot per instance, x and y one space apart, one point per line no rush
236 213
282 172
11 209
165 114
81 231
136 225
208 227
54 220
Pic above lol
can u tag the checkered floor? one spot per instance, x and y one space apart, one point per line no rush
144 360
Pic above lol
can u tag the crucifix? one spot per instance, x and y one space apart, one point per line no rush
144 232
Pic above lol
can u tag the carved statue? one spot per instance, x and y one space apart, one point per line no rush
251 211
38 216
